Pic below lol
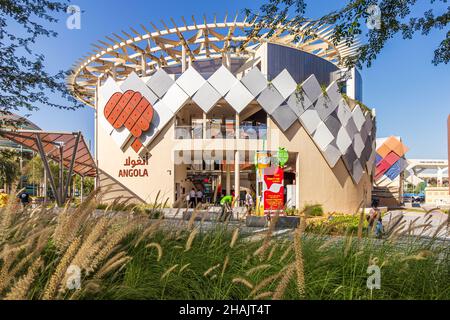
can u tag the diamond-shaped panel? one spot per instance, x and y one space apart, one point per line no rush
358 117
299 102
310 120
175 98
284 117
284 83
333 124
332 155
349 157
322 136
358 144
343 112
190 81
222 80
160 83
312 88
358 171
365 155
161 117
133 82
254 81
334 94
371 163
351 128
324 106
270 99
239 97
343 140
206 97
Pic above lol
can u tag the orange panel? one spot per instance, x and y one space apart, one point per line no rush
129 108
119 107
401 149
136 131
109 107
383 151
142 105
132 120
143 124
148 113
136 145
392 143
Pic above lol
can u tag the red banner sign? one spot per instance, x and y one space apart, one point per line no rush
274 194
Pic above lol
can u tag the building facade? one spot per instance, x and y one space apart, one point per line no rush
190 107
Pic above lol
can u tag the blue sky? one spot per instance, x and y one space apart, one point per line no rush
410 94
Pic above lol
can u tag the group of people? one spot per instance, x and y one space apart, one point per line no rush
227 203
194 198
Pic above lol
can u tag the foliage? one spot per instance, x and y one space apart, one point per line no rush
88 184
420 188
23 76
34 170
9 167
3 199
128 256
336 224
291 212
350 22
313 210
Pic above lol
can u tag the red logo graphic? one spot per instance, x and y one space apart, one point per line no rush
132 110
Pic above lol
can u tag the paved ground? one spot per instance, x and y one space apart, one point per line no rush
419 224
411 223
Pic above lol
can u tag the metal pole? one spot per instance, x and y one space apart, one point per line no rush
72 162
47 168
81 189
45 185
62 198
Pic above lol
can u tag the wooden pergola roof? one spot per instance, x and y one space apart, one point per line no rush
144 51
83 163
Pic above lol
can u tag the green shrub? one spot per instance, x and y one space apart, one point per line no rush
338 224
314 210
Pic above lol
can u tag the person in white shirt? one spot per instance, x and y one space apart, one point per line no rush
199 197
192 198
249 202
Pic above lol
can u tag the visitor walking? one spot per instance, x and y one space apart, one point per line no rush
373 216
226 203
199 197
24 199
249 203
379 227
192 198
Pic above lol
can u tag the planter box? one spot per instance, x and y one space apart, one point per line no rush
282 222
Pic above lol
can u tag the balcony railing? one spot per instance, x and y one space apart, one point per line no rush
189 132
253 132
217 131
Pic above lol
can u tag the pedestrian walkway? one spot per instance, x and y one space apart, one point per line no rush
419 224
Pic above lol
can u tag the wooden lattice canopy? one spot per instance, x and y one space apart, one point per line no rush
143 51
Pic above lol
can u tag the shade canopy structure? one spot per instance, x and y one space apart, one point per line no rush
149 48
67 149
